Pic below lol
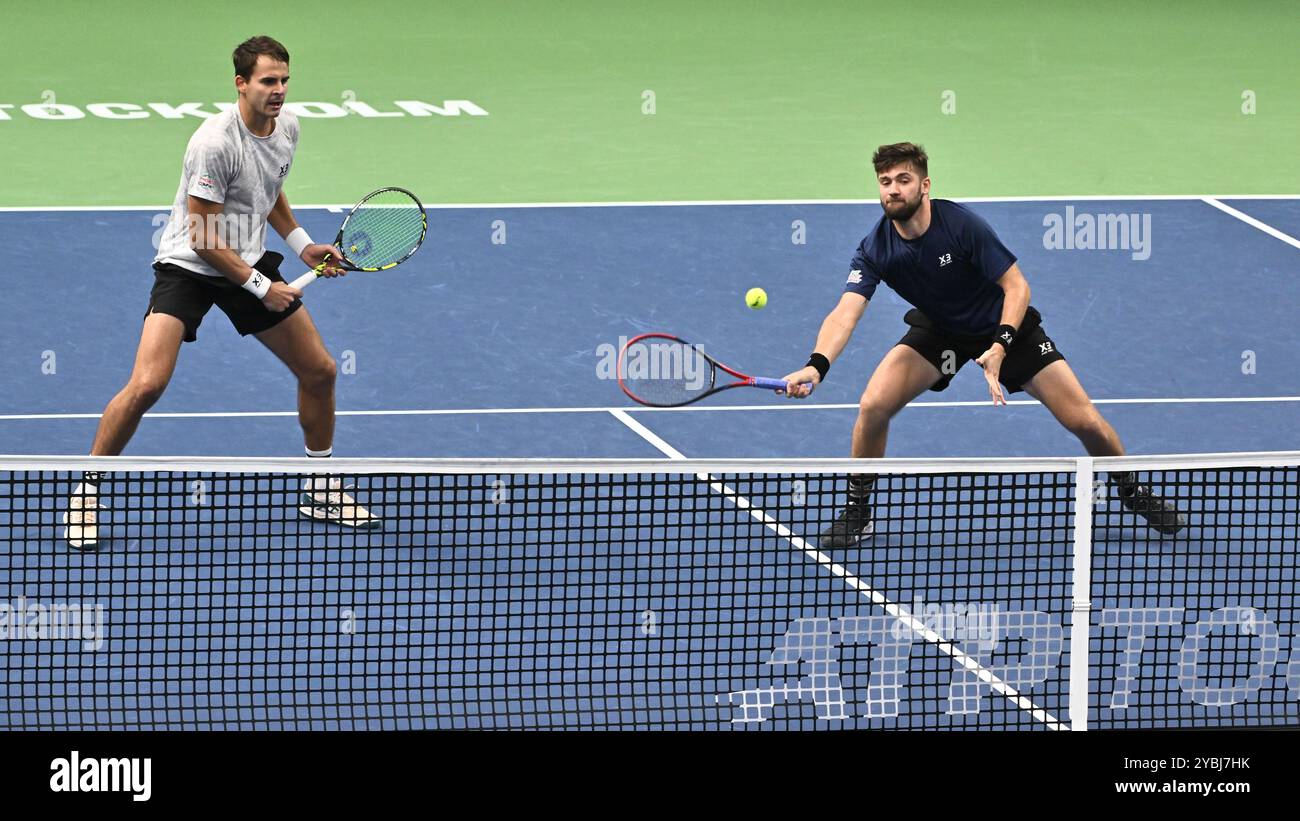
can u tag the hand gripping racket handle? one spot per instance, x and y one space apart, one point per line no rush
776 384
309 277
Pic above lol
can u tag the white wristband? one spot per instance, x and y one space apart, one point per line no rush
257 284
298 240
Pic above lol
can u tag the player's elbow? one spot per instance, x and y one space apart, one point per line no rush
1016 291
1014 283
849 310
200 229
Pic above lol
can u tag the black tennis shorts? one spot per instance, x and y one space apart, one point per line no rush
1032 350
188 296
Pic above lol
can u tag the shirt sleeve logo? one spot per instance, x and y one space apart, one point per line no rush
207 182
855 278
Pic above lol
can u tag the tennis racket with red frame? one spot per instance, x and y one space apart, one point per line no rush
663 371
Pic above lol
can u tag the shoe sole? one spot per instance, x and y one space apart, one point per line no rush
1170 531
316 515
857 540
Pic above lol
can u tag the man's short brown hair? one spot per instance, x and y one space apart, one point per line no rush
888 156
247 52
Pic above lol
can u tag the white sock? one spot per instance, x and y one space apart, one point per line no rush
84 489
318 481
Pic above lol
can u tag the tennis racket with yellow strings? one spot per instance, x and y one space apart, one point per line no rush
381 232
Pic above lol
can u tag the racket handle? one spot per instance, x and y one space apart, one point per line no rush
775 384
304 280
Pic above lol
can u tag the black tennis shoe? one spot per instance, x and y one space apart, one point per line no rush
1163 516
853 524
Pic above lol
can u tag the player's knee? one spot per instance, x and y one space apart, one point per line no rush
1089 426
321 374
143 392
873 412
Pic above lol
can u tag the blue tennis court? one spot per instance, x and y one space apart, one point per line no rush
577 597
490 348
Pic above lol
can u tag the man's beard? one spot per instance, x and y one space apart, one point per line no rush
901 210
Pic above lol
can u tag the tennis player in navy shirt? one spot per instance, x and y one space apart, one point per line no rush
971 301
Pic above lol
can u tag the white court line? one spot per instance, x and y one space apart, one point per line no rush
876 597
649 435
776 406
1254 223
686 203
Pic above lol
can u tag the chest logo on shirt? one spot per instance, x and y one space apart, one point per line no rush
284 169
944 259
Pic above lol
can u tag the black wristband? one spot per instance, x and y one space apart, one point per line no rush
821 363
1005 336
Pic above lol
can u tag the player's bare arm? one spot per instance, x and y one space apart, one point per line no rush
836 330
1015 302
207 242
312 254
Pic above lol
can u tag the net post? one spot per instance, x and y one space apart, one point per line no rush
1081 588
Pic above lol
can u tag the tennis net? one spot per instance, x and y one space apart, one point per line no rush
692 594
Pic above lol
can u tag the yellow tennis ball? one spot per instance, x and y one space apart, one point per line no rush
756 298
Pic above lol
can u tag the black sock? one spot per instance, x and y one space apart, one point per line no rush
1125 481
861 485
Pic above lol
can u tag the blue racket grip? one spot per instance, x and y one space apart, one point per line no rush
779 385
772 385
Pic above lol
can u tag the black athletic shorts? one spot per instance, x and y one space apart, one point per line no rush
1030 353
188 296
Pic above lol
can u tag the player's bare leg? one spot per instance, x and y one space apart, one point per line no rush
1058 388
900 377
298 345
155 362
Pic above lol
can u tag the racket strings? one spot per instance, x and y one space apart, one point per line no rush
666 372
384 230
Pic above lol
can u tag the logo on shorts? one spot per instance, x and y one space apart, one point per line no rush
1044 348
945 259
855 277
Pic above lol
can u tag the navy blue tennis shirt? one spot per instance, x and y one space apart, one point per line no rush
950 272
